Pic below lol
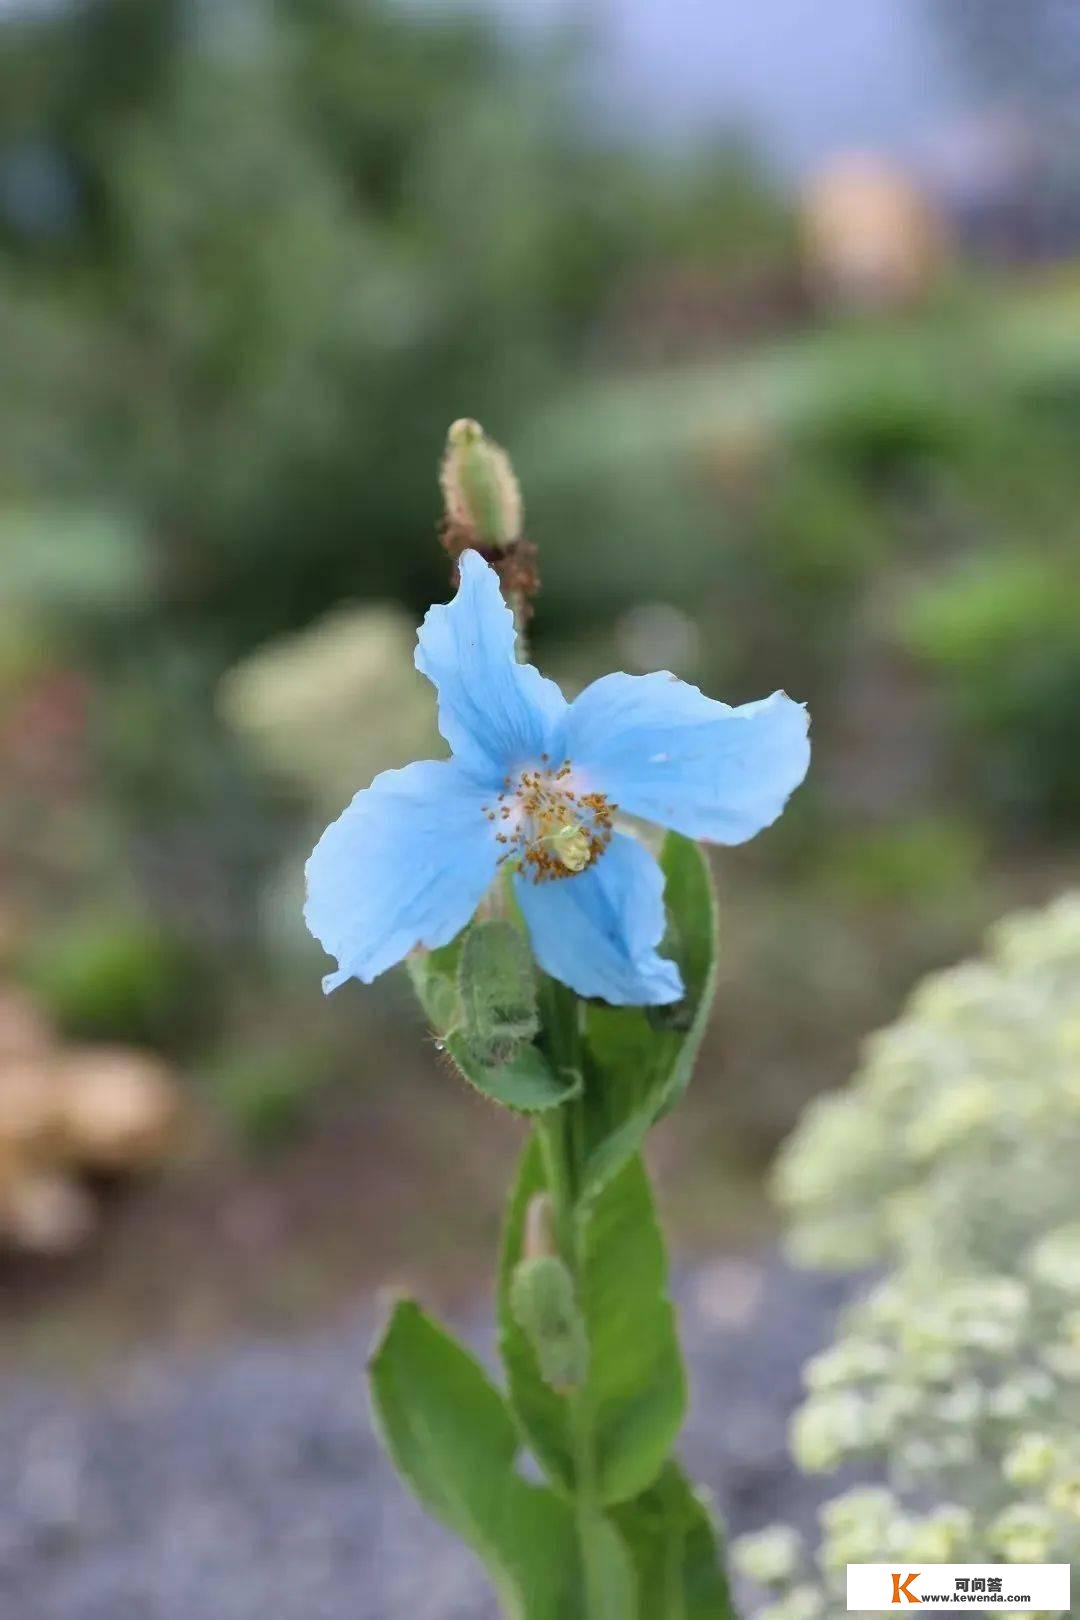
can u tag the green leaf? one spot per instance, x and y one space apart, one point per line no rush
636 1385
615 1595
479 994
434 976
676 1552
635 1390
527 1083
639 1061
452 1438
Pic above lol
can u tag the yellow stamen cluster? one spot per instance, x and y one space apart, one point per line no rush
552 830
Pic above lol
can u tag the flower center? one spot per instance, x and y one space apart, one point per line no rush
553 829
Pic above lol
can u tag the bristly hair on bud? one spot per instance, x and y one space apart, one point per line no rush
483 511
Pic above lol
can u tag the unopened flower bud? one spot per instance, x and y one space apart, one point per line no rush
480 493
497 988
546 1310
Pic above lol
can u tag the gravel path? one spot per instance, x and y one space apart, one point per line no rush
249 1486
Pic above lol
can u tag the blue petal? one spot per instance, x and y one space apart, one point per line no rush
597 932
495 713
406 864
661 749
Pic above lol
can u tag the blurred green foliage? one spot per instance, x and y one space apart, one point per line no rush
1003 634
865 491
264 1093
290 242
120 978
923 860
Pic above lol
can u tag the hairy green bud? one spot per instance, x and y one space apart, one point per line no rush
480 493
497 986
546 1310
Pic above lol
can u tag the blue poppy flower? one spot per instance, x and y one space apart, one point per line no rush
537 780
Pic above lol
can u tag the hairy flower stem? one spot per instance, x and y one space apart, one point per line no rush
561 1135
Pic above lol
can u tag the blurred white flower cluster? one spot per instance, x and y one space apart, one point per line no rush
323 711
951 1164
331 706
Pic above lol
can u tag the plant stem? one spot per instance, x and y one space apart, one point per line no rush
561 1139
550 1129
587 1509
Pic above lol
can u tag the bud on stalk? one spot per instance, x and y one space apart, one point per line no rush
480 492
482 511
545 1308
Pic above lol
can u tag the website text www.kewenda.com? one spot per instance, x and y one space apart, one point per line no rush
959 1597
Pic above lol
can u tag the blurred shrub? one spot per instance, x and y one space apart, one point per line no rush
72 574
265 1093
928 859
851 490
952 1159
68 562
886 423
291 242
120 977
1000 631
